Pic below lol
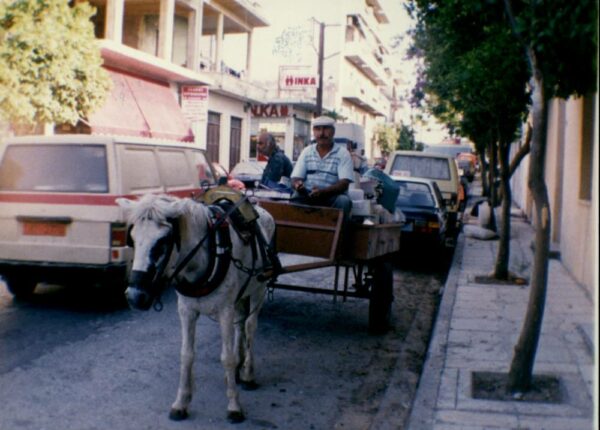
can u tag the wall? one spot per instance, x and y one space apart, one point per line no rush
579 233
574 221
228 107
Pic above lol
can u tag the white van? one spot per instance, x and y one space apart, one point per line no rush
59 222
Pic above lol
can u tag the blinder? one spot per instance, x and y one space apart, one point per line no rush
175 233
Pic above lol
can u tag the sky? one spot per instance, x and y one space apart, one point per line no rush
284 15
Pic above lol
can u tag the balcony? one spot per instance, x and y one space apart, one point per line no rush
371 100
359 54
237 88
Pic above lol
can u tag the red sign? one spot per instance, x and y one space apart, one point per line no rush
194 102
270 111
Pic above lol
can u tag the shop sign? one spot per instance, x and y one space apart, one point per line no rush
194 102
297 78
270 111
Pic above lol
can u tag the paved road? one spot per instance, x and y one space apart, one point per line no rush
74 360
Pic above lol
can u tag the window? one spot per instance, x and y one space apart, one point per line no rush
235 140
140 169
56 168
421 167
213 135
205 174
175 168
588 117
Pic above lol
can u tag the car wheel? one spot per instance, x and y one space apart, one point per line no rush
21 288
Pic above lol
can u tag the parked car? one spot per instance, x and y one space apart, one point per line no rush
426 217
440 168
249 172
451 150
59 221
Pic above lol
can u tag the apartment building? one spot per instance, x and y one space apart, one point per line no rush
358 85
170 80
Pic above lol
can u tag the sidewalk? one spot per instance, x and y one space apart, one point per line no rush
477 328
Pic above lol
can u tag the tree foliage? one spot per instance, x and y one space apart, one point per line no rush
391 137
474 74
386 137
50 65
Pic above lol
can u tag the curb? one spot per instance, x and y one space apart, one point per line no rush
423 408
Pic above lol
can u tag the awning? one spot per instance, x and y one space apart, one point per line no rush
140 107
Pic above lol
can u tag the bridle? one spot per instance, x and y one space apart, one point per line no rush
219 253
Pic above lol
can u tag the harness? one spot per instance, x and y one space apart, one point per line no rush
242 216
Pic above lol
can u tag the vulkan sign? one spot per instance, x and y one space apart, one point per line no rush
299 82
270 110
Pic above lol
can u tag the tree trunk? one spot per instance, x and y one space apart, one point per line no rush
521 368
503 255
484 166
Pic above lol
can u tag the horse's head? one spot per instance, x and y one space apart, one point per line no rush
154 233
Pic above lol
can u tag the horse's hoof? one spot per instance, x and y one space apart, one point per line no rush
178 414
235 417
248 385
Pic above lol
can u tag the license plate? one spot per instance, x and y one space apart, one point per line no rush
408 227
44 229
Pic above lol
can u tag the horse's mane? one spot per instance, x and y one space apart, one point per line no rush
153 206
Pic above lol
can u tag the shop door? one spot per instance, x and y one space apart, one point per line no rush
213 135
235 143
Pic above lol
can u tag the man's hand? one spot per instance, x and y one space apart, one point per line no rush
301 189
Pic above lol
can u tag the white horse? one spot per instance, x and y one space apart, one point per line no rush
165 230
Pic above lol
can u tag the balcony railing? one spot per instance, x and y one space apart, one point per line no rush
368 99
362 57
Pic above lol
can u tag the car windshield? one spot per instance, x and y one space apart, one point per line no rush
413 194
421 167
55 168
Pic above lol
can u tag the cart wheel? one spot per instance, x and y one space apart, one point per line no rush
380 302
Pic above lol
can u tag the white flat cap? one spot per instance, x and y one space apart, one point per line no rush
324 121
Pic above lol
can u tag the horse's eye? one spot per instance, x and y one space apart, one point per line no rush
159 247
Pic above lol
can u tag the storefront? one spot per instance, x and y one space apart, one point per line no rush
289 124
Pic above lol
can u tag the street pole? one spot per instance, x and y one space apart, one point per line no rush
321 54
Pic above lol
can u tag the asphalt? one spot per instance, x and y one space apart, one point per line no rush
476 330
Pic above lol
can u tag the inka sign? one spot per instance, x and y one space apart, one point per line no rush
297 78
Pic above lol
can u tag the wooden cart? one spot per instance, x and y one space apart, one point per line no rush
317 232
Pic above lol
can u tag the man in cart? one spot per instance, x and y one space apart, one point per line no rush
324 170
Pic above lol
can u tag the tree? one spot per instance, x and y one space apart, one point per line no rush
386 137
406 138
50 65
560 42
474 80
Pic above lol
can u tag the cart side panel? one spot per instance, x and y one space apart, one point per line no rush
305 230
369 242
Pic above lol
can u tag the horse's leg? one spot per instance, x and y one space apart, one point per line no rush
188 318
229 358
251 323
241 313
